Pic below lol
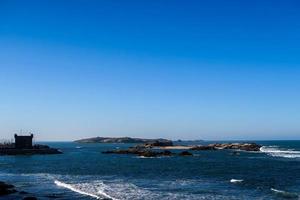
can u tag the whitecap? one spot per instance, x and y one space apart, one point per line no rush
145 157
236 180
277 152
285 193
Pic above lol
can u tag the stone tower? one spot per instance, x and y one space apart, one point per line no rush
23 142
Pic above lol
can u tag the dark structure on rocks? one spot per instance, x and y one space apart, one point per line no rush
23 142
23 146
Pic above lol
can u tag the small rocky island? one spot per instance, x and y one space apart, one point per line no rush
123 140
23 146
162 148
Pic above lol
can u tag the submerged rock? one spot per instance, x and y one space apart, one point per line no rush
6 189
185 153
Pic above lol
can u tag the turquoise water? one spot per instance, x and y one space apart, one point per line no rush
82 172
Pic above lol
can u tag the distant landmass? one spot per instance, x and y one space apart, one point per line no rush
121 140
189 140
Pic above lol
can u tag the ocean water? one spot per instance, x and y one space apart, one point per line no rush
83 172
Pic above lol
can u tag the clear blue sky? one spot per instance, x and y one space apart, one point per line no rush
172 69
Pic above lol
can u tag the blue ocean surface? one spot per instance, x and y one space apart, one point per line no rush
83 172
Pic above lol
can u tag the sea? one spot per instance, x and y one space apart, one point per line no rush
83 172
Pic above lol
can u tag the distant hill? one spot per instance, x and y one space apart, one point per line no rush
121 140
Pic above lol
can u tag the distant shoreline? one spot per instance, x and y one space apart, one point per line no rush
204 140
121 140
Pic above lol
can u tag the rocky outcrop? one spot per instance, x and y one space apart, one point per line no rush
239 146
140 152
155 154
6 189
124 140
159 143
235 146
146 150
203 148
156 143
36 149
250 147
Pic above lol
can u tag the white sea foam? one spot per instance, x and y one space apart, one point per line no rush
128 191
277 152
236 180
86 189
285 193
277 191
144 157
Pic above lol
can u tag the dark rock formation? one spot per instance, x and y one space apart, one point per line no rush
145 150
159 143
239 146
250 147
124 140
140 152
6 189
123 151
149 154
40 146
36 149
203 148
235 146
156 143
185 153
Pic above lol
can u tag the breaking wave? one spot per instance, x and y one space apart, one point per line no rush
86 189
284 193
276 152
